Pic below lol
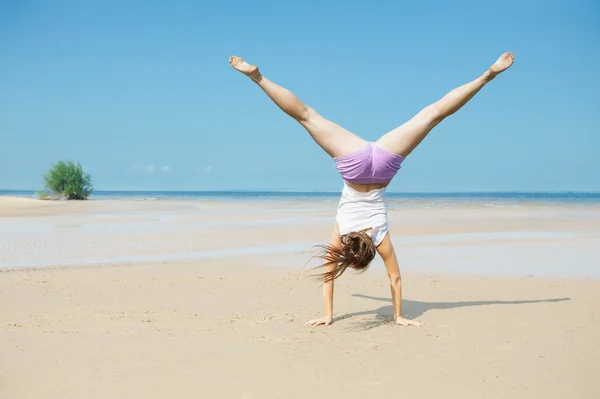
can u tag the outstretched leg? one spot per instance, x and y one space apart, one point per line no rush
404 139
334 139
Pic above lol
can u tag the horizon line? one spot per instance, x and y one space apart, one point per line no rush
479 191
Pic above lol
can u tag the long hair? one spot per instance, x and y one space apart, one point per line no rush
357 252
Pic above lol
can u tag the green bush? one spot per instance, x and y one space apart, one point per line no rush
67 179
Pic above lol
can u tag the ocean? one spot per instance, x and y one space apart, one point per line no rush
554 233
433 199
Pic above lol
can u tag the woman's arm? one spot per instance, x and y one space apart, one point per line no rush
328 286
388 254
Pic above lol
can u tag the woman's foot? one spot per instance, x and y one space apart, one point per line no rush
503 63
249 70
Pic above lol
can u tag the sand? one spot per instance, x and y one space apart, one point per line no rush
195 322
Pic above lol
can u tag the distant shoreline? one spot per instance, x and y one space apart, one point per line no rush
292 193
394 200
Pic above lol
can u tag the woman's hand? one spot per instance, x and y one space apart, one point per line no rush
323 321
405 322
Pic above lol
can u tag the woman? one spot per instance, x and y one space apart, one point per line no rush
367 168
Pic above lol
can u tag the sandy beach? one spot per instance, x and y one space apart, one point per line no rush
188 299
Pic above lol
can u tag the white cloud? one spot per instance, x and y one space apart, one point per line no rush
208 168
151 168
144 168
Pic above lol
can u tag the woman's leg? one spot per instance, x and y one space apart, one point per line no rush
334 139
404 139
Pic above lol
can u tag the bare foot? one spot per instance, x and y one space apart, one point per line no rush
249 70
503 63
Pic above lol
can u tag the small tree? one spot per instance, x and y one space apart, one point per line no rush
67 179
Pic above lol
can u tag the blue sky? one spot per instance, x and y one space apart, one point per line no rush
141 93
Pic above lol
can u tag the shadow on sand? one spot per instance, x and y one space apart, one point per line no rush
414 309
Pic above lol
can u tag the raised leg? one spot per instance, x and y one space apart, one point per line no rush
404 139
334 139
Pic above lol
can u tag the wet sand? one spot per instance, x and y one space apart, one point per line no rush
190 299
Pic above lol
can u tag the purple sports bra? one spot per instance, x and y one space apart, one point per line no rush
369 165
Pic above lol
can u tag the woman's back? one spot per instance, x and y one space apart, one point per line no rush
363 211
